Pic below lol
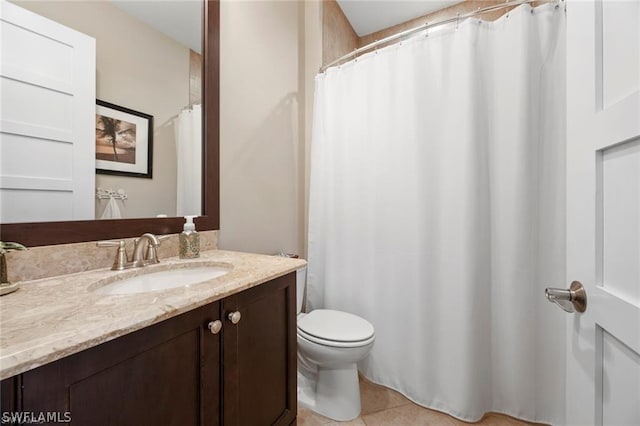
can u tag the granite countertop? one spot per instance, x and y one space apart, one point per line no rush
51 318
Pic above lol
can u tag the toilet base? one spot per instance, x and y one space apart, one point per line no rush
336 393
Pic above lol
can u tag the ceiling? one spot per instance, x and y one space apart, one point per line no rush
179 19
369 16
182 19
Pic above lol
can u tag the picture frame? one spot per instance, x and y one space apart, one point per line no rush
124 141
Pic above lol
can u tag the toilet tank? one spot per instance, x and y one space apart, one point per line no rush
301 283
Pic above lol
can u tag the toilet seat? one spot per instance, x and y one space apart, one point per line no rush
334 343
335 328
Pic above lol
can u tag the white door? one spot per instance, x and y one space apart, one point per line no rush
47 119
603 211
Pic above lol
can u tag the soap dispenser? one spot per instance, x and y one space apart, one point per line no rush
189 240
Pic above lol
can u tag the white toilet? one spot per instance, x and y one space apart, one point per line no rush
330 343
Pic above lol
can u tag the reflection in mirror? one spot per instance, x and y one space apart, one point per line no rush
147 60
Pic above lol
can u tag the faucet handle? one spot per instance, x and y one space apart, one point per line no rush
110 243
121 259
152 254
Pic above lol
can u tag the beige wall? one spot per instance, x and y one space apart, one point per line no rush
141 69
313 62
266 81
338 37
439 15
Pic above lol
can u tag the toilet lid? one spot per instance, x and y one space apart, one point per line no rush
336 326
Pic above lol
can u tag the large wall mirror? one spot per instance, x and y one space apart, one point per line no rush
157 92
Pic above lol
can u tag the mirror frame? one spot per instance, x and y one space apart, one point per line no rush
50 233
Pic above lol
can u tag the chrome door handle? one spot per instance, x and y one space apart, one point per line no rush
572 300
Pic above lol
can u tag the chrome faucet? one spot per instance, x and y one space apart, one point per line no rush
140 258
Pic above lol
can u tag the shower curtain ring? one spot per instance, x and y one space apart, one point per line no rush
457 20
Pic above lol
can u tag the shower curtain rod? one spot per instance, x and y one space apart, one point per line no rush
428 25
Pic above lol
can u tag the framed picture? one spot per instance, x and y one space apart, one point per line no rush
124 141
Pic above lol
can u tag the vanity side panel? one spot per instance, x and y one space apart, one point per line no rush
259 355
167 373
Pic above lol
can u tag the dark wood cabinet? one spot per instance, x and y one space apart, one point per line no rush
260 355
165 374
177 372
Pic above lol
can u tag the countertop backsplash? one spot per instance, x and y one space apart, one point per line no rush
63 259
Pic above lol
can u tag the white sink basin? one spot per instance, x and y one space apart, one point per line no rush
160 280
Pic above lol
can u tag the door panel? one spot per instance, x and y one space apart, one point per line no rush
618 41
619 179
619 386
603 210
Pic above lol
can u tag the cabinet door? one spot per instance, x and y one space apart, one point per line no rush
259 355
166 374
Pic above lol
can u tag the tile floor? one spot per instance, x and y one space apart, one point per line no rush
384 407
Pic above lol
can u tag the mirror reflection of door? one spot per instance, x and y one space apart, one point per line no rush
147 59
48 92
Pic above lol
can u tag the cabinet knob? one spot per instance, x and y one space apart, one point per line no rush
215 326
234 317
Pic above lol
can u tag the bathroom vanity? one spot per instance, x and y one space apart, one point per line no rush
218 352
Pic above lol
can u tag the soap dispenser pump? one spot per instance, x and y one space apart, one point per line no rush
189 240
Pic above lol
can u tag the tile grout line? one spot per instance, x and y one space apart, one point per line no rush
389 408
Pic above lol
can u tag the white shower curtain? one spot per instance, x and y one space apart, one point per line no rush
188 129
437 212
